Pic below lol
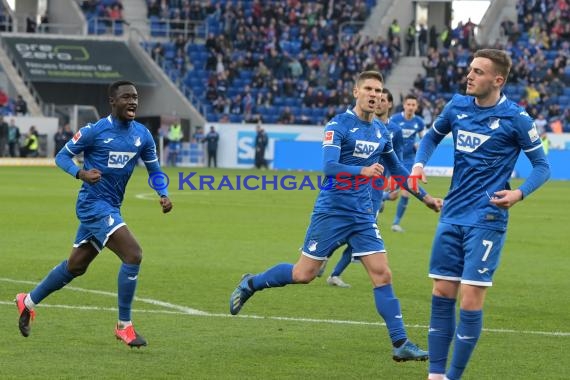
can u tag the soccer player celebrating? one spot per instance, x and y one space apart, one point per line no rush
378 195
111 148
352 146
489 131
412 128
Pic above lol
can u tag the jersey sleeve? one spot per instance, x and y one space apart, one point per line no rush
527 134
80 141
332 140
148 153
398 144
333 134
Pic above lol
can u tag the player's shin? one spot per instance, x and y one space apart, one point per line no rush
127 284
467 335
388 306
275 277
55 280
440 334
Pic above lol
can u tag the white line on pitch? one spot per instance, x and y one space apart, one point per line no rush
183 310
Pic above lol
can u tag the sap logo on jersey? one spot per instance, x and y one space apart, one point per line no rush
364 149
469 141
119 159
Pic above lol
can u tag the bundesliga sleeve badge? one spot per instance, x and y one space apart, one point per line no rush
329 136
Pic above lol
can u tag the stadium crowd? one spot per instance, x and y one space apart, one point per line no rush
293 62
540 80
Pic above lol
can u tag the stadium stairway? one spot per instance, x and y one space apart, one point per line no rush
401 80
134 13
19 84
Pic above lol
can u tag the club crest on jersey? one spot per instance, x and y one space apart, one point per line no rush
118 160
138 141
378 134
76 137
329 136
469 141
312 245
364 149
494 123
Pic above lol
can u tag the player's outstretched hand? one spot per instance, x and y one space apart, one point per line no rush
433 203
165 204
506 198
90 176
374 170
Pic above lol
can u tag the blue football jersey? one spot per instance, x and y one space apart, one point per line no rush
113 148
360 144
487 144
410 131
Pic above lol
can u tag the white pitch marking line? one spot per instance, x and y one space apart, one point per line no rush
183 310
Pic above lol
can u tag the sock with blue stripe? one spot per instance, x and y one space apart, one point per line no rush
440 335
127 284
55 280
388 306
275 277
468 332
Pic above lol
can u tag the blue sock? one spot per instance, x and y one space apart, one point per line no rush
342 263
440 335
127 284
388 307
55 280
467 335
401 209
275 277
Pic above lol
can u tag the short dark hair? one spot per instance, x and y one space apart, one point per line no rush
500 59
113 87
411 96
371 74
388 95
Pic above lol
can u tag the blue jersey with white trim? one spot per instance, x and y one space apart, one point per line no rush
410 131
488 141
113 148
395 133
360 143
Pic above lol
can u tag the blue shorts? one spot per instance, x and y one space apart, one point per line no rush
328 232
466 254
97 231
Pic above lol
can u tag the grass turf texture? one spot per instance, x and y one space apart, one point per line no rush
195 256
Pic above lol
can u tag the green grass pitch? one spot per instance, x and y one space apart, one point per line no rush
194 257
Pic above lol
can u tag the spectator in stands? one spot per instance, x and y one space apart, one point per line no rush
410 38
286 116
31 24
3 98
13 139
4 130
21 106
31 145
61 137
198 135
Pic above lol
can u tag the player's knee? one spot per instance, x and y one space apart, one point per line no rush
77 269
303 277
134 256
382 276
